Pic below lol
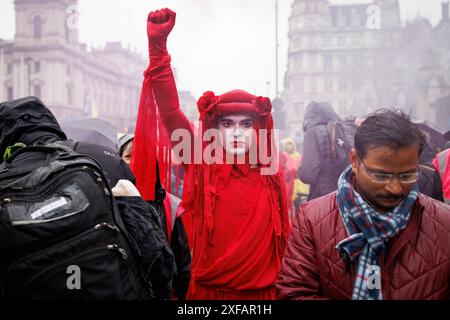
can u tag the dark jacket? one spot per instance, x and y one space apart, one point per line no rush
417 265
316 168
430 183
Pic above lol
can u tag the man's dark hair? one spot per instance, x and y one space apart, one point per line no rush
390 128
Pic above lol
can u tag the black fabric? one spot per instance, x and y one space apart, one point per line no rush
430 182
318 168
111 163
57 211
180 247
145 227
178 242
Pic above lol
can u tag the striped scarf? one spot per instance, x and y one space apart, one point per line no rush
369 232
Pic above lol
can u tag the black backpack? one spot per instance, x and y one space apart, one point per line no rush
61 234
342 137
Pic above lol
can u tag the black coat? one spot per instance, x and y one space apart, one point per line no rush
316 168
179 244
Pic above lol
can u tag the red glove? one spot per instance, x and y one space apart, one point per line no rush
159 25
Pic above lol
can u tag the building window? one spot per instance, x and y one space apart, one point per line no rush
341 19
66 32
327 61
348 19
356 19
299 24
342 61
341 41
69 94
37 90
312 84
37 66
37 27
10 93
297 43
9 68
297 62
313 61
328 84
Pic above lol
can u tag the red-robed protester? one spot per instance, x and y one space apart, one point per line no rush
237 217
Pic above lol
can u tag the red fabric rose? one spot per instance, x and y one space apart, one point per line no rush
207 102
263 106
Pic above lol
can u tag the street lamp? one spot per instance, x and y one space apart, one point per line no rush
276 49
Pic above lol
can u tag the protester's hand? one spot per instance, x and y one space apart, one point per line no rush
159 25
124 188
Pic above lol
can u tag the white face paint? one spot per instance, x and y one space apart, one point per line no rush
237 131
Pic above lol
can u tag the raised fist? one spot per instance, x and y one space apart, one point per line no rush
159 25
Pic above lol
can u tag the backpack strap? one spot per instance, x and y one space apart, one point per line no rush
68 143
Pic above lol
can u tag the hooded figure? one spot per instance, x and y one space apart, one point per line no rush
29 121
236 217
315 168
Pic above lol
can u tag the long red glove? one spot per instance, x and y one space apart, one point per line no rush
158 86
159 25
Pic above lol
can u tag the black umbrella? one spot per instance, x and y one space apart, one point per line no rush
93 130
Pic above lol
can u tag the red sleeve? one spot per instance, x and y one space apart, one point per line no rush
299 275
166 96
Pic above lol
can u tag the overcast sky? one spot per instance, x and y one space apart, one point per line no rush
216 45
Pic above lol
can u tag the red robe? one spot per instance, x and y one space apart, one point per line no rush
240 259
238 246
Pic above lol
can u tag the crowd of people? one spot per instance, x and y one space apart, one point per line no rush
363 212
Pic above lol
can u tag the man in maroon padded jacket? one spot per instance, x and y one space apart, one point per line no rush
377 237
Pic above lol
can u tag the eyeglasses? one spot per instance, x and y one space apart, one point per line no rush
385 178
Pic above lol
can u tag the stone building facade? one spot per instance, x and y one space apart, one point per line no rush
45 59
362 57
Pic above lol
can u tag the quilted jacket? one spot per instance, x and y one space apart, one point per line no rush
416 266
